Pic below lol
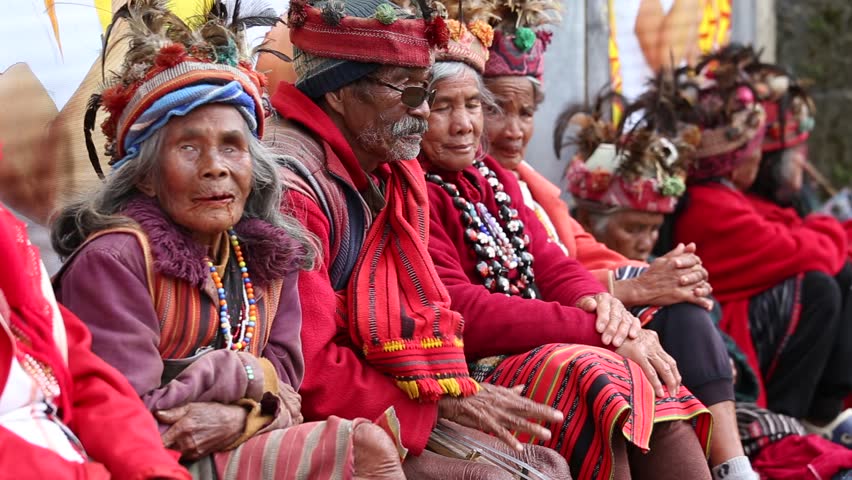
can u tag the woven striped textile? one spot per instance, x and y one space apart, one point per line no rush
601 394
316 450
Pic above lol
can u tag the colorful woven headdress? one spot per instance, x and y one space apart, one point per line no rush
731 119
470 33
519 39
789 109
337 42
641 168
173 67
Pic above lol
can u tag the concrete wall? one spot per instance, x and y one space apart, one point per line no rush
577 64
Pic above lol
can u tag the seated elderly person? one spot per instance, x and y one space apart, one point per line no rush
669 296
777 284
378 329
64 413
206 317
504 276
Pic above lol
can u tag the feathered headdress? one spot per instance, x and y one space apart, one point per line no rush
730 116
519 39
789 108
642 167
470 33
173 66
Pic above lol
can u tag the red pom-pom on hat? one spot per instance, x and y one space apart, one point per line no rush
438 33
170 55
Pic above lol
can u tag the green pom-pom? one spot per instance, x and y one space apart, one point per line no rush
673 187
386 14
524 39
227 54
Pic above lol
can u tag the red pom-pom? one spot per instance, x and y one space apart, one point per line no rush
297 15
115 99
170 55
437 32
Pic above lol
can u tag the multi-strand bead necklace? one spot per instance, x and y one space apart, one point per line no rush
241 338
505 265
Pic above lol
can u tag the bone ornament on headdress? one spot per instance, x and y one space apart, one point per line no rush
519 37
731 119
789 109
643 168
172 67
337 42
470 33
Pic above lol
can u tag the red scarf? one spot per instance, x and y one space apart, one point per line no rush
31 312
398 311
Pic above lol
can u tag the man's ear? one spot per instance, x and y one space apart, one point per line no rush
335 100
146 186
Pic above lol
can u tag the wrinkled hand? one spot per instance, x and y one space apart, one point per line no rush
614 322
646 351
676 277
499 411
201 428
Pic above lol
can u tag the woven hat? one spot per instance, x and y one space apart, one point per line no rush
519 37
641 168
732 120
337 42
470 33
173 67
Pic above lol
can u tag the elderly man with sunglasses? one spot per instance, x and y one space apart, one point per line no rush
377 329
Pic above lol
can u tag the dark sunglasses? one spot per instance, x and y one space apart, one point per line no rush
411 97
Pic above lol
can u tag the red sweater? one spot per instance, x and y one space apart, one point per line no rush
789 217
115 428
496 323
338 381
746 253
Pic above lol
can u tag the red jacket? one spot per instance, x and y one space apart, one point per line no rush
338 381
496 323
746 253
115 428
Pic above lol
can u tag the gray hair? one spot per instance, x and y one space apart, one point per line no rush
598 215
446 70
102 209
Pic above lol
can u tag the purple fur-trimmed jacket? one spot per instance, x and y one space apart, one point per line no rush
105 284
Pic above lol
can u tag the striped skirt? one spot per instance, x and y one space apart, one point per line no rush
599 392
315 450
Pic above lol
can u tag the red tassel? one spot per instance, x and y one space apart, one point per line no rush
170 55
438 32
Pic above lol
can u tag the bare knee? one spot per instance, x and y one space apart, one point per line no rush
375 454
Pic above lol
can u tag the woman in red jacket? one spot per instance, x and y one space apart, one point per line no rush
776 282
530 310
64 413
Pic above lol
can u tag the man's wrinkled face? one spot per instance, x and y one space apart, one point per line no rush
384 128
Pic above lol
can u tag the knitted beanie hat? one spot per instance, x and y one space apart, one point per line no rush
173 67
470 34
519 39
336 42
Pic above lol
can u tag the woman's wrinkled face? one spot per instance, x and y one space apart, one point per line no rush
632 233
510 129
455 124
204 171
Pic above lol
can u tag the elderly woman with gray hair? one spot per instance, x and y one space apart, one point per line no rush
185 271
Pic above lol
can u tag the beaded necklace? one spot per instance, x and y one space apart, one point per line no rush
505 264
41 373
240 339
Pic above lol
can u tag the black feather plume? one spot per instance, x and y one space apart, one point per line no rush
88 127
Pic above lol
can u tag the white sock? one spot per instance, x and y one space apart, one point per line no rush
737 468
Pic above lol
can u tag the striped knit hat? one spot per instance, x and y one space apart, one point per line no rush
336 42
519 40
171 68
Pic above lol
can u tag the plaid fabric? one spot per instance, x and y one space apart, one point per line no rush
600 393
759 427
